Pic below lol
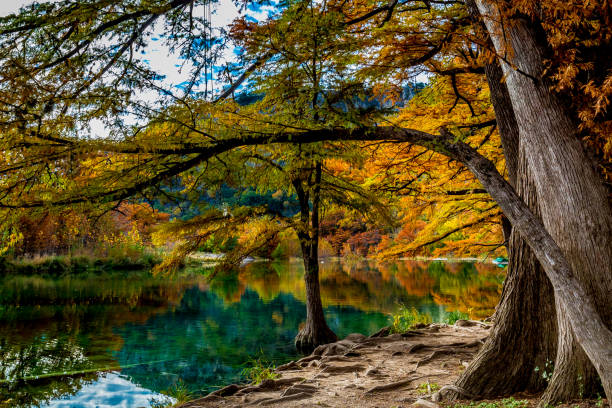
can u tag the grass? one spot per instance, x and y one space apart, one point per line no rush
452 317
259 369
178 392
407 318
428 388
66 265
505 403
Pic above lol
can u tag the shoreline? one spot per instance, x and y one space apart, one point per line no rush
212 258
412 369
365 371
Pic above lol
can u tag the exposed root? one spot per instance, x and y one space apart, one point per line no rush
294 397
298 388
329 369
308 338
228 390
432 356
292 365
392 386
449 390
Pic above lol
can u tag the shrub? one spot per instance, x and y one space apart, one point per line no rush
259 369
452 317
80 264
407 318
55 266
428 388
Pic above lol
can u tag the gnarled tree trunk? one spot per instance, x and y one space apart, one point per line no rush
524 334
526 305
572 200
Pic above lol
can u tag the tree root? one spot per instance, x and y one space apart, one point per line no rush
392 386
308 339
432 356
269 385
447 389
329 369
293 397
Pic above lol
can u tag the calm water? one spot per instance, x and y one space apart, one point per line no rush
125 341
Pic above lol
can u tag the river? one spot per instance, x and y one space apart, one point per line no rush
121 339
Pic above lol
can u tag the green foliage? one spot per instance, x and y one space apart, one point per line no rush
180 392
505 403
428 388
547 370
218 245
407 318
65 265
259 369
452 317
280 252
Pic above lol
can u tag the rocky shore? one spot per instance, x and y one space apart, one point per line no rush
398 370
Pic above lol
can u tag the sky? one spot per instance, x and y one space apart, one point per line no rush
159 57
157 54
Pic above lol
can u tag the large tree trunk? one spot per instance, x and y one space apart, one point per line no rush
524 334
526 305
315 331
585 321
573 202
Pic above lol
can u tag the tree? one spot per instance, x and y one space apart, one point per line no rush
564 181
539 115
298 172
574 20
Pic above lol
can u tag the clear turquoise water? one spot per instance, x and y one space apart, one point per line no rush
125 340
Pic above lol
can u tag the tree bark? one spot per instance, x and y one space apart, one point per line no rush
586 323
524 334
315 331
573 201
526 305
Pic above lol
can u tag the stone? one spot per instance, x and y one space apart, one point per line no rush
422 403
372 371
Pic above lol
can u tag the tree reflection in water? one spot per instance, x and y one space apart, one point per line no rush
58 335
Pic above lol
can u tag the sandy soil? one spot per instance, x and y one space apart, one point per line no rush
397 370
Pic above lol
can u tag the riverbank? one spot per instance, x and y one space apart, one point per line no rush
412 369
212 258
58 265
70 265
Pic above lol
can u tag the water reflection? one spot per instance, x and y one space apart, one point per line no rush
126 339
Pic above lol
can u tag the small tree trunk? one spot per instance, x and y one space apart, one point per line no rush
315 332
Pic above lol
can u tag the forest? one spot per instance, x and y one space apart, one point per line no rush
146 143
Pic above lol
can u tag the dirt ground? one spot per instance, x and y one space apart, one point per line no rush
397 370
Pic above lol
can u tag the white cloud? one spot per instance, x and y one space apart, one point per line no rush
157 53
12 6
110 390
